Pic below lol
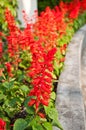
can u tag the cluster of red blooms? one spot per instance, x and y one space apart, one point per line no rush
70 10
52 24
12 39
2 124
45 28
18 40
41 74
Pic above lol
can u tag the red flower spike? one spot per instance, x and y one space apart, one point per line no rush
41 75
10 20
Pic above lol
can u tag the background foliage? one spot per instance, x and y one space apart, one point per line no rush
42 4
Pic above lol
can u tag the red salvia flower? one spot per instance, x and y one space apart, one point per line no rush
42 78
9 69
2 124
75 10
83 5
32 102
41 114
1 49
8 66
62 59
11 22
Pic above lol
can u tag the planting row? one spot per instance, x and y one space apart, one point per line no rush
31 60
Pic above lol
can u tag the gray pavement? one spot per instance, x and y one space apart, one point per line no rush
83 77
71 90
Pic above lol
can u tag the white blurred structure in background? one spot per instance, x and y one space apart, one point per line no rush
29 6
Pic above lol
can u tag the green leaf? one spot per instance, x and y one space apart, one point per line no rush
29 118
8 85
58 54
22 66
2 96
37 127
53 114
56 68
20 124
48 108
24 88
29 109
47 125
20 75
14 101
36 121
53 95
26 101
57 124
61 65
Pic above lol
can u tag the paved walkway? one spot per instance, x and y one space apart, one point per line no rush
71 90
83 76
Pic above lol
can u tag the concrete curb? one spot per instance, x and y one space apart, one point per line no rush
69 101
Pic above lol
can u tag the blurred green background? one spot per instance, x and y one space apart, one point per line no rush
42 4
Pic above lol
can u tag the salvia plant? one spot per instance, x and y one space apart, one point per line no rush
31 61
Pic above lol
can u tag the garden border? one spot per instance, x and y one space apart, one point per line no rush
69 100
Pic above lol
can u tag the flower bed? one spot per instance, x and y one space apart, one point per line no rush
31 62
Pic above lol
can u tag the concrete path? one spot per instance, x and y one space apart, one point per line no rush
71 90
83 76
